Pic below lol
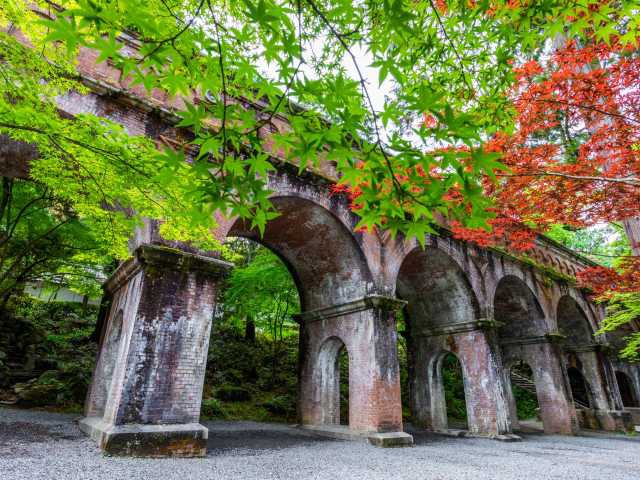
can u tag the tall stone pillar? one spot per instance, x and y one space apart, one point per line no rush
485 393
366 328
607 410
544 356
146 390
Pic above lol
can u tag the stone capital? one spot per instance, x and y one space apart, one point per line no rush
153 257
359 305
478 324
589 347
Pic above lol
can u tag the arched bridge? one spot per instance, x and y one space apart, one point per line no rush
491 310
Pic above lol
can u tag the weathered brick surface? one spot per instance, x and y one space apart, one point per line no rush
554 394
369 336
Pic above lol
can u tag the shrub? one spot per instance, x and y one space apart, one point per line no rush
281 405
212 408
232 393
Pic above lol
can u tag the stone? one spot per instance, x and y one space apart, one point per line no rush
157 441
391 439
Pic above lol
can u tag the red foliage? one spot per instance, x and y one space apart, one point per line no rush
581 119
575 154
574 158
605 282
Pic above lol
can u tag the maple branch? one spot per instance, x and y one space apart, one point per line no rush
365 91
633 181
224 84
453 47
593 109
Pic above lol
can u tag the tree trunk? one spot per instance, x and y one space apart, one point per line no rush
249 331
632 229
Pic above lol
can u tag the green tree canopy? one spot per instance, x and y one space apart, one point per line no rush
303 60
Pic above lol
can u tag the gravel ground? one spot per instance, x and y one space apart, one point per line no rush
41 445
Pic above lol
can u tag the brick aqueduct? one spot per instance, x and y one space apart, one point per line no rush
489 309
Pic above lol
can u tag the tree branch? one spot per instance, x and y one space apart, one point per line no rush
632 181
593 109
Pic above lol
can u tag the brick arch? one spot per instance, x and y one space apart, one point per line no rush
436 288
518 309
573 322
460 253
322 253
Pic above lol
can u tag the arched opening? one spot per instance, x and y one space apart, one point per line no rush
439 301
525 396
579 388
517 310
306 259
252 371
344 387
625 386
521 333
452 379
333 392
573 323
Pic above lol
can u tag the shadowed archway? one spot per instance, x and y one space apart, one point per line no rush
625 385
573 323
522 334
442 322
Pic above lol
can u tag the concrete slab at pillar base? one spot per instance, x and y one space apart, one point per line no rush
608 420
379 439
503 437
157 441
635 415
391 439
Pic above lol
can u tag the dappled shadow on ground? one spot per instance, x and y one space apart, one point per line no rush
16 437
251 438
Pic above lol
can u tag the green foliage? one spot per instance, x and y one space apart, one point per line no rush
344 386
108 178
453 383
526 403
59 342
42 239
452 63
232 393
603 244
622 310
261 289
212 408
238 369
283 406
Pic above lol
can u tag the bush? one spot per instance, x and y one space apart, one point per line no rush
281 405
54 337
43 391
232 393
526 403
212 408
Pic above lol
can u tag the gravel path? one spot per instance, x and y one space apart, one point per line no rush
38 446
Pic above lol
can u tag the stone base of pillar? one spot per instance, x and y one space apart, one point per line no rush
156 441
379 439
501 437
635 415
608 420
